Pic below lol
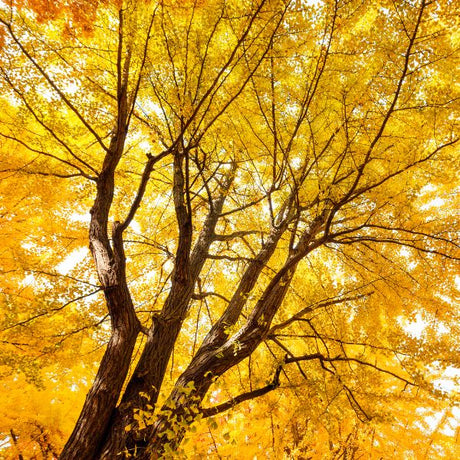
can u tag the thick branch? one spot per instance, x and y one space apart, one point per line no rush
142 187
275 383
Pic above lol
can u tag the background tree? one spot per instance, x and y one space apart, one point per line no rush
269 188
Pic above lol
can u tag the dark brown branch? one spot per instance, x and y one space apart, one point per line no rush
61 275
428 157
211 411
323 359
15 442
275 383
313 307
42 152
224 68
244 206
386 119
142 66
408 243
339 341
203 295
233 235
66 146
142 187
53 85
66 335
413 232
51 311
247 79
229 258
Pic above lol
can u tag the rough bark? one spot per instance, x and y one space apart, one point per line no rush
104 393
203 370
218 353
150 370
110 266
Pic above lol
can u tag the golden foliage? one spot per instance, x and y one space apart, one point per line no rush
328 127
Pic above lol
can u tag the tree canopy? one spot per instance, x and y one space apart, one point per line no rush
229 226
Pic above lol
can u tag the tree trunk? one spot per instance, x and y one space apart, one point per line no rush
151 368
146 380
103 396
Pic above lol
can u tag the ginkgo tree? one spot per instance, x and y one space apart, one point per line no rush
267 189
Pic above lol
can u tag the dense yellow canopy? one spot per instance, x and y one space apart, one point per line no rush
234 224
